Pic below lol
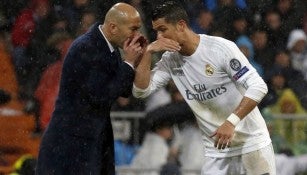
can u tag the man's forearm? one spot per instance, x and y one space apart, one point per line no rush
142 76
245 107
142 73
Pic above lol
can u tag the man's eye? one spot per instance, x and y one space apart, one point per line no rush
135 29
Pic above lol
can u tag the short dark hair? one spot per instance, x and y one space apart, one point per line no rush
171 11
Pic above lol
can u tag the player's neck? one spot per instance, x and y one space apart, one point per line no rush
189 45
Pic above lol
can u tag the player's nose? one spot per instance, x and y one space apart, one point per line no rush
159 35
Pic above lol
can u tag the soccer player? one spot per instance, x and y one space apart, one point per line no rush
220 86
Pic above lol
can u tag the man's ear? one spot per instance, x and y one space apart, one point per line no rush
113 28
181 25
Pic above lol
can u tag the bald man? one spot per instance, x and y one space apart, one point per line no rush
79 138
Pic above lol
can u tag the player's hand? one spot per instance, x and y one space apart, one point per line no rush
163 44
134 48
223 135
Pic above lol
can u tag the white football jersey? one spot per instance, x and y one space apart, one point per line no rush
213 81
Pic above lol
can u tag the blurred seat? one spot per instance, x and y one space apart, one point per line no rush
16 128
16 139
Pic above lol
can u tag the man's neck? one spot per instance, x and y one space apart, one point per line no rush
190 45
106 35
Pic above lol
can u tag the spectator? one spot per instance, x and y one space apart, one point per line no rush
213 4
157 99
291 14
103 6
48 88
287 103
9 11
294 78
203 22
257 8
297 45
8 77
223 15
73 12
264 54
30 54
186 145
276 36
239 25
60 24
25 165
88 18
154 151
246 47
191 148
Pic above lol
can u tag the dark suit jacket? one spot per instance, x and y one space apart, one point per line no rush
79 138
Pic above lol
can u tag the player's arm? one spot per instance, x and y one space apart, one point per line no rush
256 90
245 107
143 72
244 74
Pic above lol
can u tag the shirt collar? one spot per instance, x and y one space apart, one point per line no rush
109 44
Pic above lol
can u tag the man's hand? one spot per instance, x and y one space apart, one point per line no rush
163 44
134 48
223 135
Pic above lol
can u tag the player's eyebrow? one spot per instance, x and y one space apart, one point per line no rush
161 27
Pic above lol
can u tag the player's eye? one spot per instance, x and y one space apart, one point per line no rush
162 29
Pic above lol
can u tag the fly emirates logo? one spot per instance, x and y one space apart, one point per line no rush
204 94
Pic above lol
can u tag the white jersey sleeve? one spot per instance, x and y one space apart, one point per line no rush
241 71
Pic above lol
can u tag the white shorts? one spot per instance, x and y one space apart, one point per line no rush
260 162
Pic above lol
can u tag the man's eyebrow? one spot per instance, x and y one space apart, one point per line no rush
159 27
134 27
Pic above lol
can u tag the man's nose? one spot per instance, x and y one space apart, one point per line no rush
135 34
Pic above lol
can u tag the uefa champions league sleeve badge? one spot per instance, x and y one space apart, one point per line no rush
235 64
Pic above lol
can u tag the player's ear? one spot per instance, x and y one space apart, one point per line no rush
181 25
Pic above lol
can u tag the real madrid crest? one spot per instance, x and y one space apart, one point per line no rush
209 70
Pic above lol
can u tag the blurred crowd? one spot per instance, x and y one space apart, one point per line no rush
36 34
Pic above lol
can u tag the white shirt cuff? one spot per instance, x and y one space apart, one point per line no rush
129 65
140 93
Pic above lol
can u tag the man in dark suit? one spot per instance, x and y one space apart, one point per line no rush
79 138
